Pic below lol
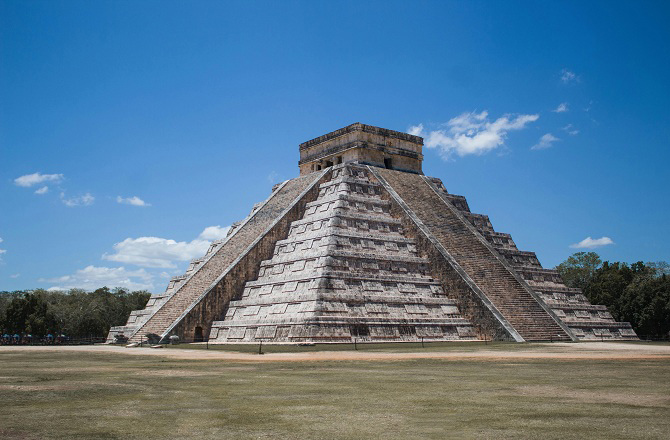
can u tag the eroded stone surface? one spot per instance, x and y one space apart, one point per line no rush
364 144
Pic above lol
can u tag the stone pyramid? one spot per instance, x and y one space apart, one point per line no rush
347 269
364 246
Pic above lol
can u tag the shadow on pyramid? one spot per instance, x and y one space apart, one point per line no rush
362 246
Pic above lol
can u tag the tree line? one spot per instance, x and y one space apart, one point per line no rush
75 313
638 293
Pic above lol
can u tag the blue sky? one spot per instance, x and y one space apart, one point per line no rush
133 133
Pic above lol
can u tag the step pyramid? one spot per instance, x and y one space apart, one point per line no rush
363 246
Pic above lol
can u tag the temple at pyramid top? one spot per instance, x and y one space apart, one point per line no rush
365 144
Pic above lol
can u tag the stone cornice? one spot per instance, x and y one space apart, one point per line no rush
364 128
358 144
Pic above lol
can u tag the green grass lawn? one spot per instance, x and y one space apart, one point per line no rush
112 396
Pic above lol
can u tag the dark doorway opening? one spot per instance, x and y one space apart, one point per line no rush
388 163
406 330
360 330
329 164
197 337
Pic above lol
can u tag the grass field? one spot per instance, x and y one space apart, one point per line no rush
69 395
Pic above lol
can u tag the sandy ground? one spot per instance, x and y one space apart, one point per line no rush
567 351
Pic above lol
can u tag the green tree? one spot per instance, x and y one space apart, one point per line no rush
76 313
635 294
29 313
646 302
6 299
638 293
579 268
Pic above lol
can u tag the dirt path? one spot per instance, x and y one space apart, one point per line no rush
566 351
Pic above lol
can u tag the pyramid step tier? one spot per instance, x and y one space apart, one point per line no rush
349 198
346 276
346 235
344 331
328 257
342 215
349 298
351 320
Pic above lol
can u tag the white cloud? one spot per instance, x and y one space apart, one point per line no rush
545 142
571 130
214 232
590 243
2 251
16 275
85 200
568 76
93 277
416 130
43 190
162 252
472 133
36 178
156 251
562 108
272 177
135 201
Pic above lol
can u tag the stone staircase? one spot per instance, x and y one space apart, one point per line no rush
503 288
194 286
